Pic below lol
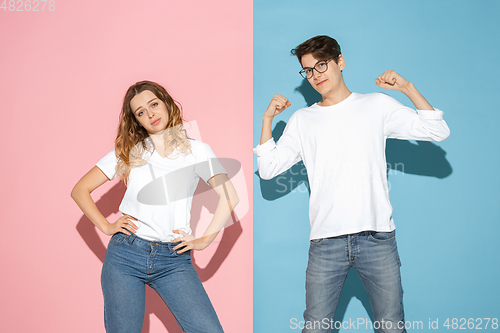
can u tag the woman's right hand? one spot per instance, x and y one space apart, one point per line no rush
124 224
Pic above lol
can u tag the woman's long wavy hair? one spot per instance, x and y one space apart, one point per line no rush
133 140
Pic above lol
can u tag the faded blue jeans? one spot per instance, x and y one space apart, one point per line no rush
131 263
375 257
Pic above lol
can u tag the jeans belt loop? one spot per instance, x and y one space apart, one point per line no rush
131 239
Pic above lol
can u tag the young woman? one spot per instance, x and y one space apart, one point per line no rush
152 240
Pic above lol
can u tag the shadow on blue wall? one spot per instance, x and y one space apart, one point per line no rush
422 158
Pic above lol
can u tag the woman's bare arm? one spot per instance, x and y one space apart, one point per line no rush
81 194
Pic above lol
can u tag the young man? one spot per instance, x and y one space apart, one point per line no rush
341 141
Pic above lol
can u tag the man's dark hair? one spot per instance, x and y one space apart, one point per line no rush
321 47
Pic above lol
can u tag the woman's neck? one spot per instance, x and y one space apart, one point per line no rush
159 143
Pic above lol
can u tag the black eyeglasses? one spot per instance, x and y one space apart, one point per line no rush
320 67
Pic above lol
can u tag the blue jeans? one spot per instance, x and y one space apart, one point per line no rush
131 263
375 257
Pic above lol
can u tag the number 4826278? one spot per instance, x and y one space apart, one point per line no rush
27 5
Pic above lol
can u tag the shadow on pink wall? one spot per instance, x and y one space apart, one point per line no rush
109 203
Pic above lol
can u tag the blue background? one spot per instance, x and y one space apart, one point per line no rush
446 202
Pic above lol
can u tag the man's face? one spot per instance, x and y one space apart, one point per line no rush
329 81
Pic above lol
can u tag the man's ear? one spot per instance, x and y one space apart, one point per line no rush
341 62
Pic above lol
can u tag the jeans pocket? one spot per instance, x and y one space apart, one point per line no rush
317 241
118 239
382 236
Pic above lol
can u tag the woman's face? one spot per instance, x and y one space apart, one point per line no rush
149 111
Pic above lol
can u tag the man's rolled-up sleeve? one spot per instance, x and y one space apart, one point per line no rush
426 125
275 158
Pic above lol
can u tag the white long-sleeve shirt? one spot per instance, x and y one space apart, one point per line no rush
343 149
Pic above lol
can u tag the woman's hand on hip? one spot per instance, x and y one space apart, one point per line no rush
189 242
124 224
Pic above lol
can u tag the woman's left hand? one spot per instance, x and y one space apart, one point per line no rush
189 242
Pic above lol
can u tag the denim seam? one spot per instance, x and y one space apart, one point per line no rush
319 242
152 285
119 242
381 240
341 287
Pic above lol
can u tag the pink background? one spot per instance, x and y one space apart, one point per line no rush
63 75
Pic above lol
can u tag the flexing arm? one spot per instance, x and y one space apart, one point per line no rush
273 158
403 123
278 104
228 199
81 194
393 81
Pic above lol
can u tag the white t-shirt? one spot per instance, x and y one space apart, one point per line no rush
343 149
159 194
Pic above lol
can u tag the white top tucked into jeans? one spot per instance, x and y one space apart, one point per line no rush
159 194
